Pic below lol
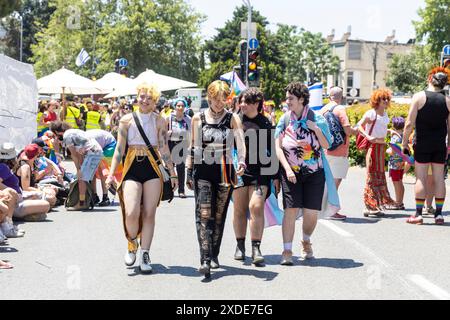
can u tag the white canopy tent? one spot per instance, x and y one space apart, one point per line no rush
64 81
164 83
113 81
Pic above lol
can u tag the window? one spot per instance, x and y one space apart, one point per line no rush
354 50
389 55
350 76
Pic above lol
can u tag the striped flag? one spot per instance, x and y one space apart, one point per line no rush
315 96
82 58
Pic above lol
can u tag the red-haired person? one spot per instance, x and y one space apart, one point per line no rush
374 126
429 114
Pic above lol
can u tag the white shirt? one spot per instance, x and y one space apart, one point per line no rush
78 139
381 126
148 123
104 138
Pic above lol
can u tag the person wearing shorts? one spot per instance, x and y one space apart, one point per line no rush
298 141
396 163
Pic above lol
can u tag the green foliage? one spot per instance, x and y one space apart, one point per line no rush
435 24
408 73
162 35
8 6
305 51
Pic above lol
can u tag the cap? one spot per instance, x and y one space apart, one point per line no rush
7 151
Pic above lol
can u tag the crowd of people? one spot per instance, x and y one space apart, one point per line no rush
242 150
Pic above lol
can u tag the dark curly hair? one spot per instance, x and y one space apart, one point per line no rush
59 126
299 90
251 96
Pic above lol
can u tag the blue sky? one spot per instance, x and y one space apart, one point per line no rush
370 19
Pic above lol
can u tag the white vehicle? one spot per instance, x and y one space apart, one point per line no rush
195 94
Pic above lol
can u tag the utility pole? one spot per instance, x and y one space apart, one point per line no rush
95 42
21 36
374 84
249 22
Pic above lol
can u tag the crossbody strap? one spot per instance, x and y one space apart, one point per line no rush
144 137
373 124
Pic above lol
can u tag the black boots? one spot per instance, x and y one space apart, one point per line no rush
205 269
257 257
240 250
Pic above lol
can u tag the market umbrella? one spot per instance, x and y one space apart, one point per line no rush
163 82
114 81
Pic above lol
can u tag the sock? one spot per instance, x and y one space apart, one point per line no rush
144 251
439 205
256 243
241 244
306 237
105 197
287 246
419 206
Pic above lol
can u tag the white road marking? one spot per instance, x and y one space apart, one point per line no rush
430 287
335 228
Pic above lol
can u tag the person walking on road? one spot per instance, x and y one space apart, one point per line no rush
299 141
430 116
211 173
140 189
374 126
338 158
256 183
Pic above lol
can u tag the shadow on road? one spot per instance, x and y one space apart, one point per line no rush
223 271
361 220
5 249
331 263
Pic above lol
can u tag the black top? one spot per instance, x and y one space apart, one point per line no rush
213 162
431 122
260 156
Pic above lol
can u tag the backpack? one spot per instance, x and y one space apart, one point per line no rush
73 196
336 129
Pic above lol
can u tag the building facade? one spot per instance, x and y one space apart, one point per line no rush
364 65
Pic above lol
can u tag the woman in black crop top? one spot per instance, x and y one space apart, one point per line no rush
430 115
211 173
261 168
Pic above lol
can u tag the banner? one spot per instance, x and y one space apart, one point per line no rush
82 58
18 102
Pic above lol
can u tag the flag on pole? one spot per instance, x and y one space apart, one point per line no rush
82 58
315 96
237 86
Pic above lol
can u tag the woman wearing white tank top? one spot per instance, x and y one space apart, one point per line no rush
140 189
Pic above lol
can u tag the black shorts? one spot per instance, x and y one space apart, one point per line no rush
307 193
141 171
430 154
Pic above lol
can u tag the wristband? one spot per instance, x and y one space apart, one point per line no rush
173 177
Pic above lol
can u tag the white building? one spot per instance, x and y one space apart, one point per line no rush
364 64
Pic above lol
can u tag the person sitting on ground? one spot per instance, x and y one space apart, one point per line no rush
27 174
8 202
27 209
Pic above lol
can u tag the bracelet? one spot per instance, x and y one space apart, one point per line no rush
173 177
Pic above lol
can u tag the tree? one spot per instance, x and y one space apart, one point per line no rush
434 27
408 73
306 52
8 6
162 35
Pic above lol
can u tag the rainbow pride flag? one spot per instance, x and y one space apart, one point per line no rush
237 86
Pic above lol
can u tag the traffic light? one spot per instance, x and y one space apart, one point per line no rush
253 69
242 59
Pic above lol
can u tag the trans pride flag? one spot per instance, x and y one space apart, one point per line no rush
237 86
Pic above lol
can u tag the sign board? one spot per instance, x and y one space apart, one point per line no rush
446 50
253 29
123 62
253 44
353 92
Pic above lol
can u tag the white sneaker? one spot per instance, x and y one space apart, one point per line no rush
145 263
307 251
10 231
130 255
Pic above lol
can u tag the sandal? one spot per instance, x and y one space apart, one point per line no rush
415 220
395 207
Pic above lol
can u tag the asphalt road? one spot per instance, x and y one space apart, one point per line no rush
79 255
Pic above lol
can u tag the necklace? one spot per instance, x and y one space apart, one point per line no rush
216 115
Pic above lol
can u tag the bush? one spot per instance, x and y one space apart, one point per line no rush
355 113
